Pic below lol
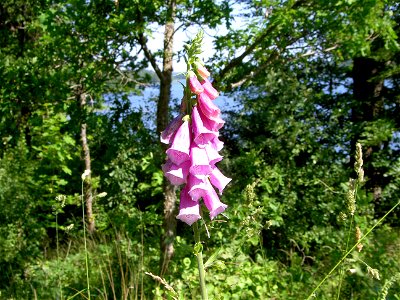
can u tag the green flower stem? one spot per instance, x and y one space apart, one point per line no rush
351 250
188 98
198 252
347 248
58 257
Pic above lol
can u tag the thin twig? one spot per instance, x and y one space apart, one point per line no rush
164 283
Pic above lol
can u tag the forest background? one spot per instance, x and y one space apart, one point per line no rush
306 81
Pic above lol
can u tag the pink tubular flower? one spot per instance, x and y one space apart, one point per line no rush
208 108
189 210
200 165
213 124
218 179
177 175
203 72
172 127
209 89
179 150
194 83
213 155
213 204
201 135
217 144
197 186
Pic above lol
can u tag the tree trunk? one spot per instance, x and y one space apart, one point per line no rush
368 107
87 186
169 222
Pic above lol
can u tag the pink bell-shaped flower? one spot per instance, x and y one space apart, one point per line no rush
217 144
208 108
197 186
189 210
194 83
213 204
201 135
172 127
199 161
209 89
212 154
177 175
218 179
203 72
213 124
180 148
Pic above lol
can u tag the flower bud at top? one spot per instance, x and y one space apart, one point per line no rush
203 72
194 83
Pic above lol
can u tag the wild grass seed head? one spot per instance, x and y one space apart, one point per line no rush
351 197
358 164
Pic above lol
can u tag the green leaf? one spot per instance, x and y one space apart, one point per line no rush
210 261
66 170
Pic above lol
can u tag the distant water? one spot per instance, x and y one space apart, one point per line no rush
148 99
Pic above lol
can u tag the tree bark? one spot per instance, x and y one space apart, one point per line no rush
87 186
169 222
368 107
165 76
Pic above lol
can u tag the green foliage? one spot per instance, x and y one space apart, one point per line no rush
20 232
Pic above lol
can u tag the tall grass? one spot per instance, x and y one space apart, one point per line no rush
351 205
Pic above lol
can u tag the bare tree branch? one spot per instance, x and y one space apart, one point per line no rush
273 56
238 60
143 43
